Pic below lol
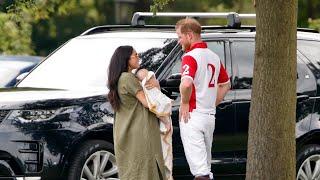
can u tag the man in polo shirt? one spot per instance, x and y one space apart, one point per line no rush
204 83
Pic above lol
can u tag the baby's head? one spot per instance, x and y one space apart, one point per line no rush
141 73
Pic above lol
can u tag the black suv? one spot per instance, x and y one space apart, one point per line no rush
56 124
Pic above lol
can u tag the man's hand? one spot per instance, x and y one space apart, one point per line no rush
184 112
222 91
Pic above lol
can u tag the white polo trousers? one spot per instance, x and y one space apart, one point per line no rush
196 136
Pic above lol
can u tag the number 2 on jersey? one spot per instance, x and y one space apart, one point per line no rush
212 70
186 69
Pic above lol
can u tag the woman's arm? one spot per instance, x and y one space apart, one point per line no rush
142 98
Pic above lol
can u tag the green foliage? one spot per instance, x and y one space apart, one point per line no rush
314 24
240 6
158 5
204 5
75 18
16 23
308 11
40 26
15 31
15 36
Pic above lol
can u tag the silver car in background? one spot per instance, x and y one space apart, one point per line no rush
12 66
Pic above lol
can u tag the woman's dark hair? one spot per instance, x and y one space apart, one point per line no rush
118 64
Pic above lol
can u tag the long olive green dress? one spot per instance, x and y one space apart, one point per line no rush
136 135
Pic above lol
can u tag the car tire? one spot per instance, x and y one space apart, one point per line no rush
308 162
94 158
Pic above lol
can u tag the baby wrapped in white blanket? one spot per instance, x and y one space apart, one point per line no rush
159 104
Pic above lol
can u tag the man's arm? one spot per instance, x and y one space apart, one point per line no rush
223 84
222 91
188 70
185 91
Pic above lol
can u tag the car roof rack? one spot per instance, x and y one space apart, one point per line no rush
232 17
138 22
109 28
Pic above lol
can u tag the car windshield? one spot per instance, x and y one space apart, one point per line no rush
82 62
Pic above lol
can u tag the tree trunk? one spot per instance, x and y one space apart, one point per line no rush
271 141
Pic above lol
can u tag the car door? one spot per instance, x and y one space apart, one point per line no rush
223 147
309 53
222 154
242 67
242 55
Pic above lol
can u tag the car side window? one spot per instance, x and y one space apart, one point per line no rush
305 78
218 48
215 46
311 51
152 58
242 62
177 67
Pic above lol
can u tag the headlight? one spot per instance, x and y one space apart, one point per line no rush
38 115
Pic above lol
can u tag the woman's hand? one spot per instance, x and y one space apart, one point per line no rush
152 83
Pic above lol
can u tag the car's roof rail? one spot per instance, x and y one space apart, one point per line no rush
232 17
106 28
98 29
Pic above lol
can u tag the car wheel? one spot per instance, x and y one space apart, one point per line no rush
94 161
308 163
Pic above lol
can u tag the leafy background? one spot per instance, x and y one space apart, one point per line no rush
37 27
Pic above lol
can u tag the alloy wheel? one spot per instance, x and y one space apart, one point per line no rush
310 169
101 165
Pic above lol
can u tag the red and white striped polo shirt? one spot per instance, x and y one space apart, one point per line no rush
206 70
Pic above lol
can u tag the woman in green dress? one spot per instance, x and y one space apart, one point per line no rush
136 130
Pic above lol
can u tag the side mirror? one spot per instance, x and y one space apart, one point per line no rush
175 76
170 86
21 76
174 81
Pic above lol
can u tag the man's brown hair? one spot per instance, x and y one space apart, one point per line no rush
189 25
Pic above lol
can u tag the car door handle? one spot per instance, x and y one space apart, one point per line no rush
302 97
225 104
